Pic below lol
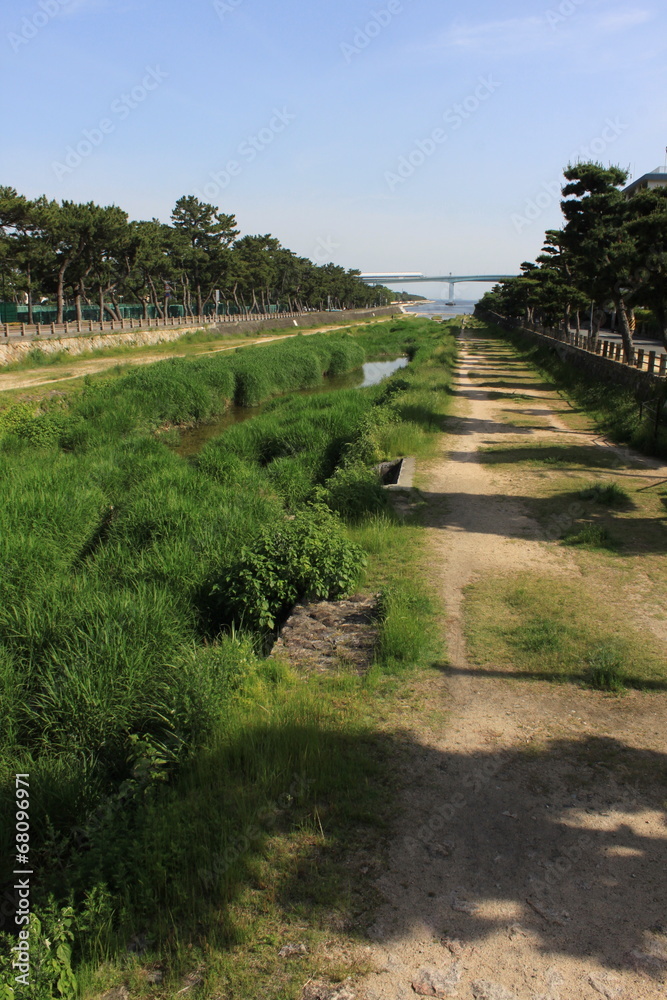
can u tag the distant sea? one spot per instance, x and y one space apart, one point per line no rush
440 308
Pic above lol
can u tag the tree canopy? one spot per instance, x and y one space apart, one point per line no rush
76 254
610 255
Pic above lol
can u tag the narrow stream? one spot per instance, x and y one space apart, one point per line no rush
193 440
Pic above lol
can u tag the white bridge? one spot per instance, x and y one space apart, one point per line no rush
416 277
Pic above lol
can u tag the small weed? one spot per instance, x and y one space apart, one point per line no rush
609 495
606 669
592 536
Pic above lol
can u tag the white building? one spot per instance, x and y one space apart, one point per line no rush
655 179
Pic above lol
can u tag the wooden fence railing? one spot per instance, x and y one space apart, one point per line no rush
653 362
90 327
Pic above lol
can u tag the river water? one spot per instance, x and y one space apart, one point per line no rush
371 373
440 308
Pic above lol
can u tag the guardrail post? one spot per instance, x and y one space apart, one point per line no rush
6 325
39 329
90 326
663 365
53 329
23 329
651 362
639 363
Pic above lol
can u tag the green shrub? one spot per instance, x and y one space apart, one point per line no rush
308 556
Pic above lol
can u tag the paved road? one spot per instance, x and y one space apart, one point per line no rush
642 343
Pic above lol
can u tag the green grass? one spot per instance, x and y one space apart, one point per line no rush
154 732
607 495
548 628
607 669
591 536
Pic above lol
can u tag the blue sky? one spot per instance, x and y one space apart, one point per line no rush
401 135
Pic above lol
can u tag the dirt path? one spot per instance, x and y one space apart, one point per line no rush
529 853
52 376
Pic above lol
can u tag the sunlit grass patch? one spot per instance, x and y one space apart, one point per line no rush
553 629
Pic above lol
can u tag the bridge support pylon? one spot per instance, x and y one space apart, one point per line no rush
451 292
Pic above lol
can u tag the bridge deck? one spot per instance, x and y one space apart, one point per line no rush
449 279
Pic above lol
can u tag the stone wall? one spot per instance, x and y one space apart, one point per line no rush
17 350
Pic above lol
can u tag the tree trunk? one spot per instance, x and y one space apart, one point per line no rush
60 294
154 298
566 320
29 295
661 315
626 333
597 316
77 302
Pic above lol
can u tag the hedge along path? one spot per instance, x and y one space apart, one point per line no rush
41 376
517 868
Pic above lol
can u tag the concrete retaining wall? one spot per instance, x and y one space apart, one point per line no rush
18 350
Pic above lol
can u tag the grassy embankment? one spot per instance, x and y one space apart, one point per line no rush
190 798
191 342
597 621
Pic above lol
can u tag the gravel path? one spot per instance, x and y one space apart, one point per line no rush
521 868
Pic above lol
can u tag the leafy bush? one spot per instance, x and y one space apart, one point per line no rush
308 556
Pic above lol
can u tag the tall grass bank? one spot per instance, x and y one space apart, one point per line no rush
139 593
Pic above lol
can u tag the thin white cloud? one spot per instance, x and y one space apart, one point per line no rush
499 37
75 6
621 20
